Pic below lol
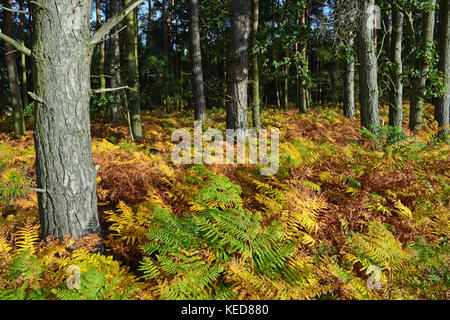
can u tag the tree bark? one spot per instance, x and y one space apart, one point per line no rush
368 85
396 94
101 63
256 104
115 67
286 80
13 74
198 88
65 170
149 23
418 87
349 77
237 117
23 57
303 99
349 88
133 75
441 112
64 164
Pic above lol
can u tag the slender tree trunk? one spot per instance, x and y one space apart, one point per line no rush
149 23
349 78
302 90
171 38
277 82
133 75
349 88
101 63
225 75
65 168
196 61
286 80
13 74
23 57
441 112
166 54
388 38
396 94
115 67
418 87
256 104
237 116
368 85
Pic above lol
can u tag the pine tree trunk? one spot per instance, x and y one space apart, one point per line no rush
443 104
349 78
166 54
115 67
23 58
64 164
368 85
286 81
303 100
101 63
198 88
418 87
13 74
349 88
396 94
133 74
237 117
149 23
256 104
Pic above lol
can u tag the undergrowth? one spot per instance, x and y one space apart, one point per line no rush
344 202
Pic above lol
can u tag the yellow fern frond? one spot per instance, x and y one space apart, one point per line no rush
27 238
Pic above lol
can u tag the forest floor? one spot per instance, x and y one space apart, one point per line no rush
344 206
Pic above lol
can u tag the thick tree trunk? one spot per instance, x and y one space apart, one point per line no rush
198 88
418 87
64 164
237 116
133 75
256 104
368 85
101 63
13 74
115 67
441 112
396 94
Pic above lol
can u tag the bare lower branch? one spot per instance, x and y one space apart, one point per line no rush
115 33
15 44
13 10
35 97
38 190
113 21
111 89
